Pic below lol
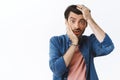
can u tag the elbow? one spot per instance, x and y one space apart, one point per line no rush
58 67
110 49
104 50
107 50
57 70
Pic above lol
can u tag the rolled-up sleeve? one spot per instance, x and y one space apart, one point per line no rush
56 61
101 48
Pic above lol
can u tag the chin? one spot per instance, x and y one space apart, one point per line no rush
78 35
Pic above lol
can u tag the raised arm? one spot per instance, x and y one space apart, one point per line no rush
99 33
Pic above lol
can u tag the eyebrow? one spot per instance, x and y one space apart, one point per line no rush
75 18
72 18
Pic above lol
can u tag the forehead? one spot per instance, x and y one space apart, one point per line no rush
72 15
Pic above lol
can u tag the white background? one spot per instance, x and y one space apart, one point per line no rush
27 25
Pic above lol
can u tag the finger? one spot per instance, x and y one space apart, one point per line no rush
69 29
82 8
79 7
68 26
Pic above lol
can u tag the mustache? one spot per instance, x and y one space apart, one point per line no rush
76 30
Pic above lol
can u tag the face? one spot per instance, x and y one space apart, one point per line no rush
77 23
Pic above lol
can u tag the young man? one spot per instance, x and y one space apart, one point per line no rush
72 54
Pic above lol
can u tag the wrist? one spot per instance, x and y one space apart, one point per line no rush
74 44
89 19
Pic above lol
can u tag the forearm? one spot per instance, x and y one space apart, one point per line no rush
69 54
103 48
99 33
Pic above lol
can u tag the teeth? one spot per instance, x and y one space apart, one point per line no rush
76 31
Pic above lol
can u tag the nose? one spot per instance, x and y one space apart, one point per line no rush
76 25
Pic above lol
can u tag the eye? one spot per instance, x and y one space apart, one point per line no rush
72 21
82 21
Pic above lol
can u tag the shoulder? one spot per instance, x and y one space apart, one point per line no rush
57 38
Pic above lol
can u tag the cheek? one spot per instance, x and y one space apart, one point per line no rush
71 26
82 27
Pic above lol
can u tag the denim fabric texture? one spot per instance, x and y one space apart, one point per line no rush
89 46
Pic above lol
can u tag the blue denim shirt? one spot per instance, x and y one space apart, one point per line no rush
90 47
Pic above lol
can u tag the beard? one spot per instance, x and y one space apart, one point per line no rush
78 32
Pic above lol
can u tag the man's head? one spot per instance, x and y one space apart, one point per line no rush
75 19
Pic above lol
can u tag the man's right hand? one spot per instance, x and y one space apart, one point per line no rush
71 35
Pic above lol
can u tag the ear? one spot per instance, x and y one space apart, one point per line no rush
86 24
66 22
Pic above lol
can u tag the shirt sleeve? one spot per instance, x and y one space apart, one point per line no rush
56 61
101 48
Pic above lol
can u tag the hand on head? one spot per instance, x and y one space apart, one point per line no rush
86 11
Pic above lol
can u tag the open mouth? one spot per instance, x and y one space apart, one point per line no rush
76 31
